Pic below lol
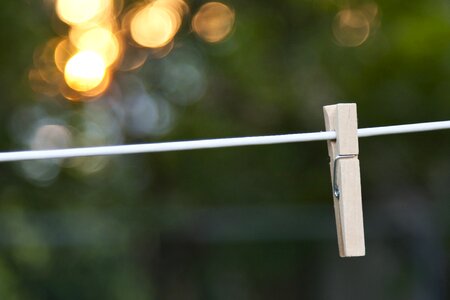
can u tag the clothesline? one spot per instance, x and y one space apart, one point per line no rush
215 143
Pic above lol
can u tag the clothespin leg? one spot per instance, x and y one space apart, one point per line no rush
345 178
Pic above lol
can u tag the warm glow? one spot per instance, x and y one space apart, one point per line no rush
85 71
161 51
177 6
63 52
133 58
45 76
351 27
70 94
155 25
99 40
213 22
76 12
100 88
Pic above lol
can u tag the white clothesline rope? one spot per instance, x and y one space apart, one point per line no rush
215 143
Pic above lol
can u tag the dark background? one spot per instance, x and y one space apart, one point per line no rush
236 223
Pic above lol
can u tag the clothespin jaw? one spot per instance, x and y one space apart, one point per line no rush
345 178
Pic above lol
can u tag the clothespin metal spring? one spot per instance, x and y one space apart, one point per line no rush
336 190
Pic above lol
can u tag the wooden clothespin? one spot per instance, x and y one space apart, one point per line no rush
345 178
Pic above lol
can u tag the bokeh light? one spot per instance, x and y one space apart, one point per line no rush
213 22
183 76
100 88
161 52
51 137
147 115
99 40
45 135
85 71
40 172
133 58
77 12
44 62
70 94
155 25
351 27
371 10
63 52
106 36
176 6
39 85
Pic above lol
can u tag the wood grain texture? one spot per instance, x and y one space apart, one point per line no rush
348 209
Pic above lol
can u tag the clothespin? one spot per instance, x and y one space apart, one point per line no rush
345 178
